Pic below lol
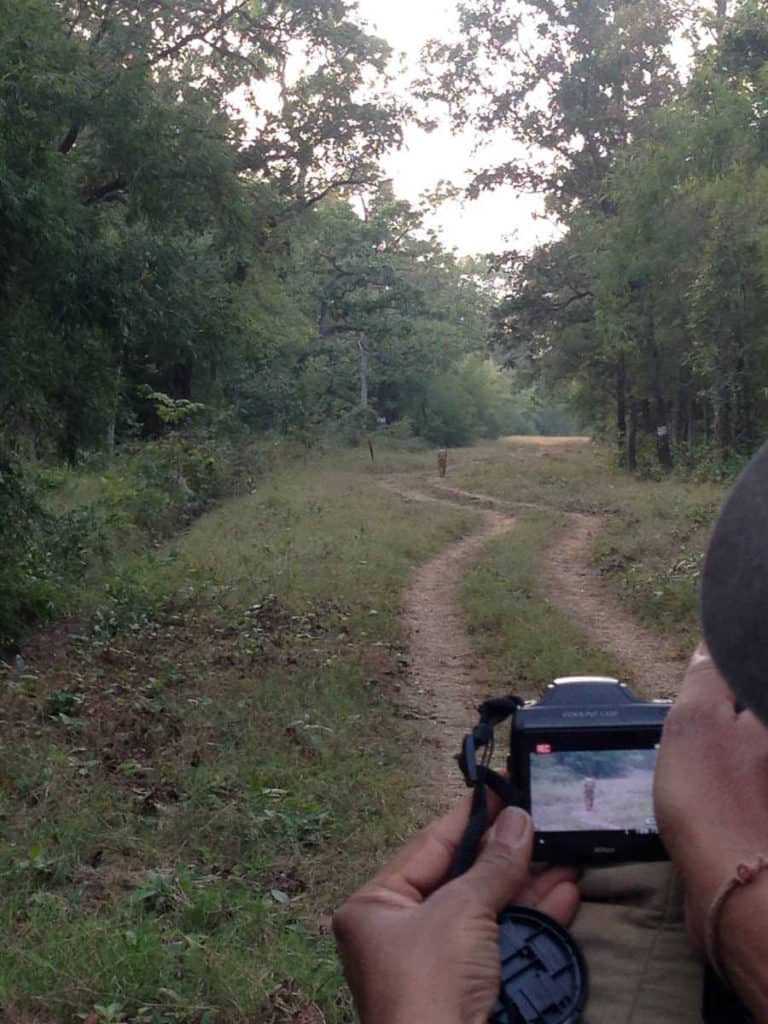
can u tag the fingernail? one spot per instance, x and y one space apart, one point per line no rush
701 656
512 827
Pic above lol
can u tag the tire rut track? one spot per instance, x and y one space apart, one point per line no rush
573 587
446 675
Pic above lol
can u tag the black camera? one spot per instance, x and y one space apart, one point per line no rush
584 757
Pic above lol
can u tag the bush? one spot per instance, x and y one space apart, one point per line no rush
401 436
42 555
352 427
58 527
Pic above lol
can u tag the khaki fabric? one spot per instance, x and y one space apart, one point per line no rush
631 930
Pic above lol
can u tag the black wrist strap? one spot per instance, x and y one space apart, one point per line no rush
478 775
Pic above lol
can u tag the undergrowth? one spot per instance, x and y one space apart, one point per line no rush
64 530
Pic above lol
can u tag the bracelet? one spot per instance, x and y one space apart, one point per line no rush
745 873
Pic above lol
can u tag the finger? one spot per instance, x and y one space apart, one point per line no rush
501 870
752 733
703 685
541 884
421 866
538 887
561 902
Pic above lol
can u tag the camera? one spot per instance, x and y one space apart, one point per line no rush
584 757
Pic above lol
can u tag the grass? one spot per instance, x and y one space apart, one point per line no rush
526 641
196 776
199 768
655 531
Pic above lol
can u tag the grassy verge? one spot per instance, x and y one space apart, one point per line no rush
67 533
651 548
197 773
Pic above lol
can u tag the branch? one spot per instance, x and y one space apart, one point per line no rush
69 139
331 330
574 298
342 183
106 192
199 34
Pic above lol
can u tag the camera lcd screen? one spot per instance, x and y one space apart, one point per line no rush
592 790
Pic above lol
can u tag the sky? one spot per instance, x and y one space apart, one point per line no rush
494 222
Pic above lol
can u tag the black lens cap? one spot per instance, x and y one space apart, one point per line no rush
543 973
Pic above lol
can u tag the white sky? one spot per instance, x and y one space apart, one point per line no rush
494 222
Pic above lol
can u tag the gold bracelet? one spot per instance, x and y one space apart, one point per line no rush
745 873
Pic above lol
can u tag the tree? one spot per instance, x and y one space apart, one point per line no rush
143 224
568 84
649 308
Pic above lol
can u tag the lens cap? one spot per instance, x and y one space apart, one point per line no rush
543 973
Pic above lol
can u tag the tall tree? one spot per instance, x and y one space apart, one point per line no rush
567 84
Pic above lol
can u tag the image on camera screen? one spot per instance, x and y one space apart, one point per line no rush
592 790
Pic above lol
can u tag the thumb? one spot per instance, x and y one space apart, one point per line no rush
501 870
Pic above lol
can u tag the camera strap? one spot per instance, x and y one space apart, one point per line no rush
478 775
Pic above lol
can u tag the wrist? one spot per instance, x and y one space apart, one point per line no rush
410 1011
742 944
401 1003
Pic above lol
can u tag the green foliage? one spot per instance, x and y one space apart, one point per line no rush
42 554
569 82
62 531
648 312
144 237
473 400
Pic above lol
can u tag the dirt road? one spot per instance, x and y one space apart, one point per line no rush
447 678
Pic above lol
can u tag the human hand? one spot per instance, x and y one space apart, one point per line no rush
711 799
416 947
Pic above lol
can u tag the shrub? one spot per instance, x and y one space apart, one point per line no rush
42 555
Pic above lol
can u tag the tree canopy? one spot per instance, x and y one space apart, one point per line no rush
192 205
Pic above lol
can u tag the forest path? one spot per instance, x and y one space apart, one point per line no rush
447 678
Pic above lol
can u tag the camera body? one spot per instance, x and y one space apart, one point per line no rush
584 756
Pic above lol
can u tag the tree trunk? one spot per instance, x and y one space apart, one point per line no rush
632 437
663 448
683 414
661 425
621 409
646 420
744 427
118 384
362 344
722 427
177 380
